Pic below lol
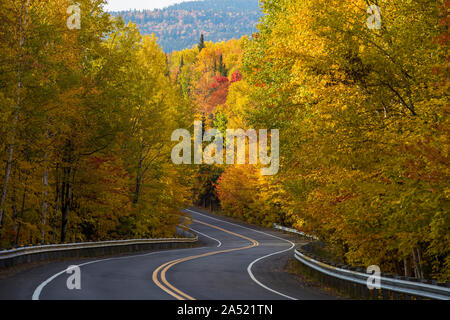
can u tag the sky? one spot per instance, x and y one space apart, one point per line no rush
116 5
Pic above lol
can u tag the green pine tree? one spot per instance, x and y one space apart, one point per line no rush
222 68
201 44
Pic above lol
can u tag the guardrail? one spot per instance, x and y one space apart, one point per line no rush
13 257
276 226
354 280
388 283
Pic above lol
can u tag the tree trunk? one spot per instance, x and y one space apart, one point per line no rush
57 202
22 210
419 257
406 267
15 213
138 190
138 180
45 190
44 205
417 267
65 202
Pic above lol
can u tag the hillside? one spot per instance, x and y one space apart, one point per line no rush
179 26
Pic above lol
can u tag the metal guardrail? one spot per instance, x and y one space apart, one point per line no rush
421 288
12 257
276 226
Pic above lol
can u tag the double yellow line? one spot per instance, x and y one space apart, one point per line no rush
160 272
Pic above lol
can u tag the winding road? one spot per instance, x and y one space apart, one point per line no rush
237 262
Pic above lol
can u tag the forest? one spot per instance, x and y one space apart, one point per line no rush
87 116
85 140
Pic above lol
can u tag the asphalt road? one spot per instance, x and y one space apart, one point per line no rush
237 262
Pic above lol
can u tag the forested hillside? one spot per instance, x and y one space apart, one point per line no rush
179 26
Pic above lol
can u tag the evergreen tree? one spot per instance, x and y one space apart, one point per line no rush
201 44
222 68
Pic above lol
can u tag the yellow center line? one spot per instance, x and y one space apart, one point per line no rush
178 294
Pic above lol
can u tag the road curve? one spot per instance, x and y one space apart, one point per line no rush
237 262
